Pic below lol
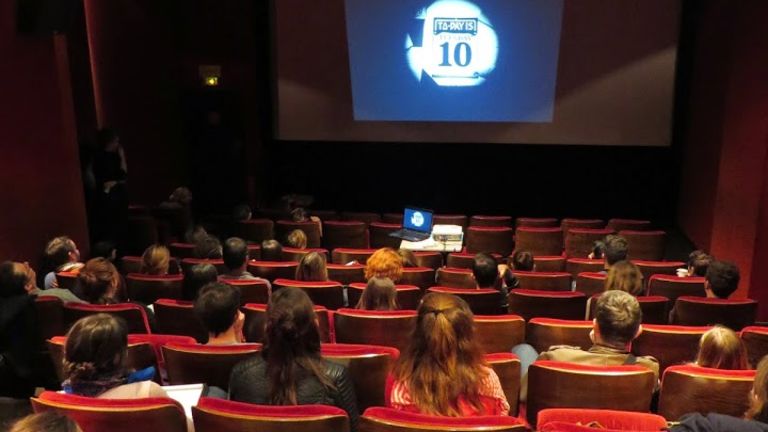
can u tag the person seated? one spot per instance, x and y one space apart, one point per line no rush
104 249
408 257
181 197
155 260
63 256
94 362
312 268
22 271
754 420
208 247
271 250
49 421
236 260
616 248
297 239
386 263
721 348
218 308
625 276
598 249
721 281
196 277
698 263
242 213
519 261
379 295
442 371
100 282
616 325
486 274
290 370
195 234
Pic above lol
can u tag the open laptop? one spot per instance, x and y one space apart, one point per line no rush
417 225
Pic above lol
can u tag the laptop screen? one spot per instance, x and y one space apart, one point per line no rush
417 220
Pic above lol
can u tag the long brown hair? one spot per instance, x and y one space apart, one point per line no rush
758 398
155 260
291 344
96 347
312 267
443 362
625 276
100 282
721 348
379 294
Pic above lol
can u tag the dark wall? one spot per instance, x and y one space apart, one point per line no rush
40 174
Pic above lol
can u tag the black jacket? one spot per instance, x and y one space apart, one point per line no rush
248 383
19 344
717 423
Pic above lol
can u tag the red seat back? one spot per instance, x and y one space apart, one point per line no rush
455 278
573 420
669 344
490 221
545 281
345 234
251 290
366 217
650 268
545 263
531 222
374 327
443 219
499 333
379 234
734 314
574 223
756 340
579 241
310 228
272 270
547 304
433 260
148 288
543 333
53 310
629 224
134 315
256 320
380 419
256 230
482 301
209 364
646 245
347 255
188 263
590 283
490 239
368 367
507 368
539 241
295 254
329 293
673 287
689 388
574 266
346 274
178 317
422 277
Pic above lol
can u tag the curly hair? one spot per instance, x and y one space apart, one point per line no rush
384 263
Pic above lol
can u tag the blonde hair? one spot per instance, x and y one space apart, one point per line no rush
297 239
49 421
758 409
312 267
625 276
384 263
155 260
721 348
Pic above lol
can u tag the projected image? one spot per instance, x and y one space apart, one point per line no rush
454 60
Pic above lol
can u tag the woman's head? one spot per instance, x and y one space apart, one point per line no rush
95 348
408 258
291 341
625 276
312 267
758 397
155 260
443 361
721 348
379 294
521 261
297 239
50 421
100 281
384 263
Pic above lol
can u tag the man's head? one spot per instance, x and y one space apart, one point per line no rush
617 319
615 249
698 263
522 261
208 247
485 270
722 279
62 250
16 279
271 250
235 253
241 213
217 307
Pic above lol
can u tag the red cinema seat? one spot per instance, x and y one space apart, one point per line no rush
379 234
669 344
256 230
433 260
498 240
545 281
756 340
629 225
209 364
251 290
646 245
132 264
310 228
256 320
134 315
545 263
590 283
294 254
574 266
52 309
220 415
327 293
536 222
445 219
365 217
455 278
188 263
462 260
543 333
148 288
391 329
115 415
482 301
539 241
650 268
697 311
345 234
547 304
579 420
379 419
408 296
347 255
499 333
67 280
346 274
422 277
178 317
575 223
490 221
368 367
673 287
272 270
579 241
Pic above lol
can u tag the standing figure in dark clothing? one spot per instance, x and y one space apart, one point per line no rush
110 171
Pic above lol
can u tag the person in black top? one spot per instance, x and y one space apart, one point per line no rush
486 273
110 171
289 370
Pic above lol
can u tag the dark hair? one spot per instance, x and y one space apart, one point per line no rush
99 281
241 212
12 282
57 250
723 278
216 307
521 261
699 261
409 258
598 249
208 247
618 317
312 267
195 234
105 136
198 276
49 421
235 253
271 250
291 344
379 294
616 249
103 249
96 347
299 215
486 270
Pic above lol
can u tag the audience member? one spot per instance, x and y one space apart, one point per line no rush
442 371
63 256
755 419
218 309
236 260
19 270
196 277
598 249
195 234
616 325
208 247
486 274
242 213
721 280
297 239
94 362
312 268
698 263
181 197
49 421
408 257
104 249
290 370
100 282
721 348
384 263
156 260
625 276
519 261
271 250
616 249
379 295
298 214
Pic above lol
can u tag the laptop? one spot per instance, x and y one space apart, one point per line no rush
417 225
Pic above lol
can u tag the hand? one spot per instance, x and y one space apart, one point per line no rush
109 185
239 323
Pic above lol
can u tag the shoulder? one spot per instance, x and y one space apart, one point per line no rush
335 371
717 422
557 352
253 365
